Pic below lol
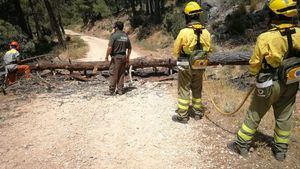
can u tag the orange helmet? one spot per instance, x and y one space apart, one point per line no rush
15 44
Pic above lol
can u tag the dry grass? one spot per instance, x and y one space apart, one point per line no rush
225 95
253 5
76 49
75 27
156 41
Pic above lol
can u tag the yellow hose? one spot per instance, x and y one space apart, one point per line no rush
239 107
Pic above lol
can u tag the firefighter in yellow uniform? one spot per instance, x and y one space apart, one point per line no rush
189 38
272 49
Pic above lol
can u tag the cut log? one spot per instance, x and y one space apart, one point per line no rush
77 76
215 59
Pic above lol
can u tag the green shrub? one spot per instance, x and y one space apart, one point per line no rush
11 33
173 22
137 20
144 32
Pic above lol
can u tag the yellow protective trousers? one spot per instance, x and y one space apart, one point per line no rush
282 98
189 81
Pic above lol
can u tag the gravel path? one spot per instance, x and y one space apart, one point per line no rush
97 47
82 128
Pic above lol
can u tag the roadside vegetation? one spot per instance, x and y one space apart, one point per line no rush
76 48
39 24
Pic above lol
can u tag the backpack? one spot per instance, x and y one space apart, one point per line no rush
289 70
198 58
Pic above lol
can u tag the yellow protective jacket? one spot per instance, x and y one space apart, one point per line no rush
187 40
11 56
272 46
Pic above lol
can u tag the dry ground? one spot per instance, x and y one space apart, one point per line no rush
76 126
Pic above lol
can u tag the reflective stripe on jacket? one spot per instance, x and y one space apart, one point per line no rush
272 46
187 40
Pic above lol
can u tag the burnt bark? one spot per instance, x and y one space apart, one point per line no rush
36 21
132 5
60 23
21 19
54 23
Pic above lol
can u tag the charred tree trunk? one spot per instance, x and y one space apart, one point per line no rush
157 11
36 21
141 5
60 23
29 28
54 23
57 10
151 7
132 5
147 7
21 20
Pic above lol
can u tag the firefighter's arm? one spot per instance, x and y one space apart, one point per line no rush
128 51
17 57
109 48
178 45
255 62
206 40
108 52
128 55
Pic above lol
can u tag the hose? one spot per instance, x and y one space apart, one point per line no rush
239 107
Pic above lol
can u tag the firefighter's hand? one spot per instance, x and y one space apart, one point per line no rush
18 61
127 62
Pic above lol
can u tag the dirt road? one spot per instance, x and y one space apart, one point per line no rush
76 126
97 47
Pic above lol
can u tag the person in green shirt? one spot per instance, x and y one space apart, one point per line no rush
119 48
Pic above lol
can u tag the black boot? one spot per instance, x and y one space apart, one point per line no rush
234 147
198 115
120 92
279 156
183 120
109 93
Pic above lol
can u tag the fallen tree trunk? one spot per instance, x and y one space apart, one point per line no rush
216 59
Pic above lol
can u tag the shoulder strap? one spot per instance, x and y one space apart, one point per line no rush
288 32
198 32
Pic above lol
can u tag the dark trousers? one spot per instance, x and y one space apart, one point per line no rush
117 73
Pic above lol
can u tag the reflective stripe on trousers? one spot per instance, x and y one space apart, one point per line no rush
183 104
197 103
281 136
245 133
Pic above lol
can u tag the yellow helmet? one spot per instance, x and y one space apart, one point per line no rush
287 8
192 8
